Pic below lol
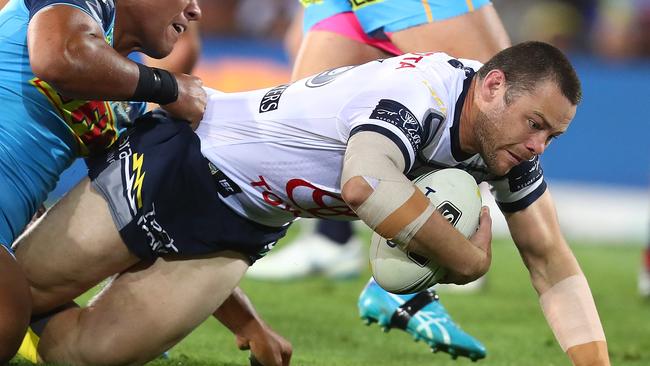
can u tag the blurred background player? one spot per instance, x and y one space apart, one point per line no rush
59 61
360 33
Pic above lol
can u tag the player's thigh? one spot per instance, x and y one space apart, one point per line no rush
73 247
323 50
146 310
15 305
476 35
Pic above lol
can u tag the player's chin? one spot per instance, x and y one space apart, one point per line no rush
500 167
162 50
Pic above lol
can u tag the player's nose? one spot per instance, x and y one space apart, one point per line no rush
193 11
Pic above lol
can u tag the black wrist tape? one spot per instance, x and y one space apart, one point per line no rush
155 85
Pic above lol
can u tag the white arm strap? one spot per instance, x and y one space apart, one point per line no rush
571 312
396 209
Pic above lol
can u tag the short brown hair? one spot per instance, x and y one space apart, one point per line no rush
528 63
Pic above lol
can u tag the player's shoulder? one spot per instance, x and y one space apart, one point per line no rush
102 11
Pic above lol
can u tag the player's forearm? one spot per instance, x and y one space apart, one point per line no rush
237 313
567 302
589 354
565 296
571 313
439 240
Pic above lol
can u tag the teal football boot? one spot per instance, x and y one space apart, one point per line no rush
422 316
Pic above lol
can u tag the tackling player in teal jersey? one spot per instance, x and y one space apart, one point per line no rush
63 67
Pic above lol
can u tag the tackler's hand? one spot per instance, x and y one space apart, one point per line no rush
191 101
267 347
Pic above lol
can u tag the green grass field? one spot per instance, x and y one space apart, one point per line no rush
320 318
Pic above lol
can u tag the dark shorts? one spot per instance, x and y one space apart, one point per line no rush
163 198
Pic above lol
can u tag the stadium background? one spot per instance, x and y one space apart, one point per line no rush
599 172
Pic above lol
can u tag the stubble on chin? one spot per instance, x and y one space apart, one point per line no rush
485 131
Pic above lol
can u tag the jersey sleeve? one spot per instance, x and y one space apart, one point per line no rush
402 110
522 186
103 11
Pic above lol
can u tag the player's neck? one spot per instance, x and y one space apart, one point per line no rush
467 118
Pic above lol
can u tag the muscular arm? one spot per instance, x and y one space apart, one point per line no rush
67 49
549 260
436 238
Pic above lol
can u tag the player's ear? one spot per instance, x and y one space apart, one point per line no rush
493 85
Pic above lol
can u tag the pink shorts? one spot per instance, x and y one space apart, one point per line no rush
347 25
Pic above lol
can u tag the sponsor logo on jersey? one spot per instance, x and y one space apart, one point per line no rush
122 152
409 60
225 186
524 174
158 239
271 99
305 199
401 117
449 212
326 77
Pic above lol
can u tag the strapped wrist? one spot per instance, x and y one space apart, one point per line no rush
155 85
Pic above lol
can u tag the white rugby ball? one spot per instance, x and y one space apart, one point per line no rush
456 196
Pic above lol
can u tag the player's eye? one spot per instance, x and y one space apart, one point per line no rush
534 125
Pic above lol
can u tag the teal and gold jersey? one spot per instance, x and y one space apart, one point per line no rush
42 131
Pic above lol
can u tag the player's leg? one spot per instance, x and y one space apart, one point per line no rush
333 42
143 312
72 248
477 34
15 305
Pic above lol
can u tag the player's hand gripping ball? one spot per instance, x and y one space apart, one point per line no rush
456 196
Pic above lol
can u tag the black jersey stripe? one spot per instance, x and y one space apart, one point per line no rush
525 201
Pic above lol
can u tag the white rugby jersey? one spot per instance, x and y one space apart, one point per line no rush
281 149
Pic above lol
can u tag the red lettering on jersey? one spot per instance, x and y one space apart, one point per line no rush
409 61
318 196
403 65
271 198
261 183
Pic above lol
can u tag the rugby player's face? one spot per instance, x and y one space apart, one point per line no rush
509 134
166 21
